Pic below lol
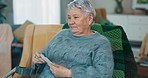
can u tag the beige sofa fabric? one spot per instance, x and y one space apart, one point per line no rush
6 38
144 47
19 32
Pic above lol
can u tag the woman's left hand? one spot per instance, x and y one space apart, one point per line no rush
60 71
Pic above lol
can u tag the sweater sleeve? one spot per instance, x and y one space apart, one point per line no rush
102 64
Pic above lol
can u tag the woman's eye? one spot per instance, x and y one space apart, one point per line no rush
69 17
76 17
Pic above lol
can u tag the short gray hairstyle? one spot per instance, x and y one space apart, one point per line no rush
84 5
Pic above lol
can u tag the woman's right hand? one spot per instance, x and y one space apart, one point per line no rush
37 58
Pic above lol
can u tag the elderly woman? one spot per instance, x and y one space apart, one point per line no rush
78 52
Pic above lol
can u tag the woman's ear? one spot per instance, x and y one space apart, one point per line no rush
90 19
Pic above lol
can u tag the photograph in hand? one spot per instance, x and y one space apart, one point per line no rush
46 59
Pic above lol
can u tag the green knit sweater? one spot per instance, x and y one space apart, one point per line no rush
86 56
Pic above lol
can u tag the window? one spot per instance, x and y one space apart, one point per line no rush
37 11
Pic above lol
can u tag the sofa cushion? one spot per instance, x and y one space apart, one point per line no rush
19 32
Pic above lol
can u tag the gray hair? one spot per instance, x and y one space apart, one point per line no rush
84 5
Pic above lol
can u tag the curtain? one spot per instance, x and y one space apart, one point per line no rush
37 11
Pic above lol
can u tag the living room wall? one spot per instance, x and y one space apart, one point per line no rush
64 10
8 11
108 4
111 4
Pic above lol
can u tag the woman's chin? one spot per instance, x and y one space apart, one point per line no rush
73 31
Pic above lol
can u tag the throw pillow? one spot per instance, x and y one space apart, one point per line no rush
19 32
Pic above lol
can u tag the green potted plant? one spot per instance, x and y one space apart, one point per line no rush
2 6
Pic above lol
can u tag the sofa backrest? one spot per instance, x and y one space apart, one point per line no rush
36 38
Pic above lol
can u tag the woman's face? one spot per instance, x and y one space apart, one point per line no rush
78 22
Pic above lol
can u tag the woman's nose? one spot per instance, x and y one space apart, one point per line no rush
71 22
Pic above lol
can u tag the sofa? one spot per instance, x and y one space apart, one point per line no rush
16 48
37 36
17 43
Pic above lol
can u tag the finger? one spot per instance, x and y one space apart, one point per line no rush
53 71
52 65
56 65
37 54
41 59
40 62
34 59
37 61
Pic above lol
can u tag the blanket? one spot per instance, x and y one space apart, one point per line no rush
6 38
